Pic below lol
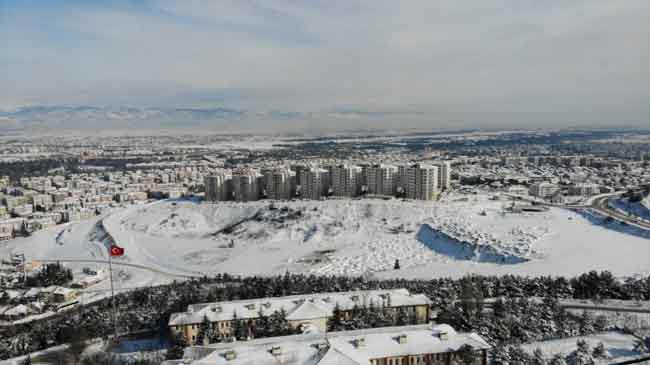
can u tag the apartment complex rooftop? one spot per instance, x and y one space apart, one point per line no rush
339 348
308 306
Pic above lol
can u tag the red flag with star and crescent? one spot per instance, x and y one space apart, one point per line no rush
116 250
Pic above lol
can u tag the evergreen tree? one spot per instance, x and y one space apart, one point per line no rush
642 345
335 322
557 359
599 351
204 331
582 355
178 344
586 323
467 354
538 357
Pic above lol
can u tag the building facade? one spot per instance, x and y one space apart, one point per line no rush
245 185
419 181
404 345
381 179
217 187
312 310
314 183
279 183
345 180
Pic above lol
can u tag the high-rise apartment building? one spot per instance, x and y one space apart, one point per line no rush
381 179
245 185
444 174
345 180
419 181
314 183
279 183
218 187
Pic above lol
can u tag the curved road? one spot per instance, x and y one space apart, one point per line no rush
598 204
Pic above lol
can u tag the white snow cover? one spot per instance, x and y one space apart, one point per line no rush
463 233
342 346
619 346
297 307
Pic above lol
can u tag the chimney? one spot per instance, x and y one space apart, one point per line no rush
360 342
401 339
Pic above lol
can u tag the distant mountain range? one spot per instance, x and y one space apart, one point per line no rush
72 117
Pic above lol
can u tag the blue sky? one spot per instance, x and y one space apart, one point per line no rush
437 63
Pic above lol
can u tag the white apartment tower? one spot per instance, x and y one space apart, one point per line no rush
419 181
217 187
444 174
314 183
279 183
345 180
381 179
245 184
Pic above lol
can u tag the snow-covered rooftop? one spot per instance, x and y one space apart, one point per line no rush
297 307
341 348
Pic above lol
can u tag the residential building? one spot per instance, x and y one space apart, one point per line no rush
419 181
311 309
345 180
406 345
314 183
381 179
444 174
279 183
245 184
6 231
584 189
218 187
543 189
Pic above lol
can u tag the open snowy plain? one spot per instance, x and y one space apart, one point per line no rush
461 234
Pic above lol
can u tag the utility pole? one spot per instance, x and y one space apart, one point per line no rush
23 263
110 274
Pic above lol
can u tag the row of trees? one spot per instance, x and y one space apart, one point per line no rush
514 320
50 274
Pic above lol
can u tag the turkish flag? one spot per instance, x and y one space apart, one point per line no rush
116 250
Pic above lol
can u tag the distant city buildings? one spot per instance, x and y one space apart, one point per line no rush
313 182
543 189
584 189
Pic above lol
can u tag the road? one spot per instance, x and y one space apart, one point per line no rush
601 206
598 205
117 263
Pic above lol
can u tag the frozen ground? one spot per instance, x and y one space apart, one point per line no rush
462 234
639 209
77 245
459 235
619 346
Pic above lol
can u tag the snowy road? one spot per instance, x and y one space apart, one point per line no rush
117 263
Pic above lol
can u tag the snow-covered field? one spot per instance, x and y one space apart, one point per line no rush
619 346
459 235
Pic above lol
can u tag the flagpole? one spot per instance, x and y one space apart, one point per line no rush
110 270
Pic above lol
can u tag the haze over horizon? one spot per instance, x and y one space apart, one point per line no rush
303 65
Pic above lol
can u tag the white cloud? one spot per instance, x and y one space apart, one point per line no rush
485 62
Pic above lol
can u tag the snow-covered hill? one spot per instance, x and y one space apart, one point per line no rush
463 233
